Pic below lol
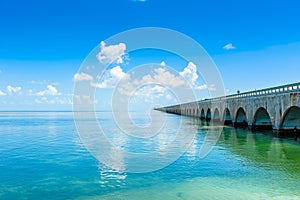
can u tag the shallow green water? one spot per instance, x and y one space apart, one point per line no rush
42 157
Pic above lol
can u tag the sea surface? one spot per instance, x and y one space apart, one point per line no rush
43 157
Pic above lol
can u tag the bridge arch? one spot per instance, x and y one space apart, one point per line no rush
202 116
262 120
227 120
208 115
241 118
216 116
291 118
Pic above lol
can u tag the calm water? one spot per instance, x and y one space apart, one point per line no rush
41 157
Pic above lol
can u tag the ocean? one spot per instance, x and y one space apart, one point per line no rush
43 157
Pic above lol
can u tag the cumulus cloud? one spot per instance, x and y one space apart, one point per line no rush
112 53
118 72
190 73
229 46
163 64
2 93
12 89
160 76
82 77
188 77
111 78
51 90
164 77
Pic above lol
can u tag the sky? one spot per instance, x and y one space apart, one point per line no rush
254 44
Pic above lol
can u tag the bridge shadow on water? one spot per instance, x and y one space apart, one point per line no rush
288 134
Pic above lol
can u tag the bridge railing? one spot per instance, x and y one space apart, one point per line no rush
290 88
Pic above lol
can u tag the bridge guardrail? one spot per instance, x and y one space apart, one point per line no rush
290 88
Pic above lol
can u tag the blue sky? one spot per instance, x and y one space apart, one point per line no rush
43 43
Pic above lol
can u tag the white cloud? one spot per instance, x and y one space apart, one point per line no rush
163 64
212 87
84 99
163 77
158 89
229 46
2 93
111 78
51 90
118 72
139 0
82 77
168 96
112 53
53 101
150 90
149 94
159 76
12 89
201 87
190 73
30 92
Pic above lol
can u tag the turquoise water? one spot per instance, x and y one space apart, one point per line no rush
42 157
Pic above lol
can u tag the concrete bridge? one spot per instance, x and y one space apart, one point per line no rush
272 108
